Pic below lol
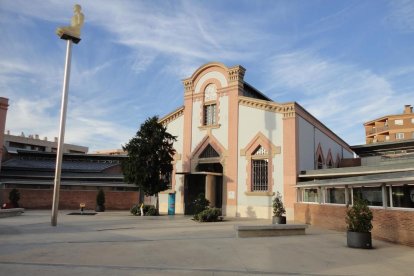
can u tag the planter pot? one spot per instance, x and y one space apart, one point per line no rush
100 208
359 240
279 220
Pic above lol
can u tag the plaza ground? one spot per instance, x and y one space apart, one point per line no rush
117 243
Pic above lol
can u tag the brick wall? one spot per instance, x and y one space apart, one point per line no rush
70 199
390 225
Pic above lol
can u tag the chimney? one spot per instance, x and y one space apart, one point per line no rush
8 132
408 109
45 139
56 139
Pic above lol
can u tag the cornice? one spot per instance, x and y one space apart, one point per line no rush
172 116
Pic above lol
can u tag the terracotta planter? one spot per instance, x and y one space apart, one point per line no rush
279 220
359 240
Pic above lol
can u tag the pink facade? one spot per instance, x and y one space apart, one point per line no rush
238 147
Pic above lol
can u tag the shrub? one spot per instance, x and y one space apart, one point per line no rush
200 204
149 210
278 208
100 198
208 215
359 217
14 197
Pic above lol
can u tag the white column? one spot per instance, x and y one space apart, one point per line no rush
59 154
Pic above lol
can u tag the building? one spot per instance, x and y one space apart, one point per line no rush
34 143
385 179
110 152
33 173
239 148
391 127
4 104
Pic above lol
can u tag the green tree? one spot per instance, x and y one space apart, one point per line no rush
150 154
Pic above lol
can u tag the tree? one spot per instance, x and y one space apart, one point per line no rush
150 156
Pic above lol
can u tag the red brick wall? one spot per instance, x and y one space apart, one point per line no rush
70 199
390 225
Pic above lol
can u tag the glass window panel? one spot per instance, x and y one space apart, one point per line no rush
372 194
259 175
310 195
403 196
335 195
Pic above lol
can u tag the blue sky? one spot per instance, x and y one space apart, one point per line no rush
344 61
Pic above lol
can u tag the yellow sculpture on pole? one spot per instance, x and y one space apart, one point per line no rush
73 31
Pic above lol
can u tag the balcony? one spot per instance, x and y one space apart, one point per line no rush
377 130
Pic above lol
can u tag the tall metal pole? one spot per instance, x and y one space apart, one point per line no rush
59 154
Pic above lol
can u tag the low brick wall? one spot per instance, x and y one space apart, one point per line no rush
70 199
389 225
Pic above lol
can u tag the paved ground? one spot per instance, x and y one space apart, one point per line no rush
116 243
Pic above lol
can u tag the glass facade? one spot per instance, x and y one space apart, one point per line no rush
310 195
335 195
403 196
371 194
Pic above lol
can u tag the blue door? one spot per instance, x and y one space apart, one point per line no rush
171 204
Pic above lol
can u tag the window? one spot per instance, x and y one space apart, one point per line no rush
259 175
399 122
320 162
399 136
412 120
209 152
403 196
209 114
387 137
335 195
310 195
372 194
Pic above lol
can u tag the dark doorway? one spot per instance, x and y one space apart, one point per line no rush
194 184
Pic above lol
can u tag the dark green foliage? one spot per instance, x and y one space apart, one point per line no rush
152 211
100 199
208 215
200 204
150 154
14 197
149 210
278 208
359 217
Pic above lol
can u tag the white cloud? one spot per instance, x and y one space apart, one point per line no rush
402 15
343 96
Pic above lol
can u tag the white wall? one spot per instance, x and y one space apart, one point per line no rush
251 122
309 139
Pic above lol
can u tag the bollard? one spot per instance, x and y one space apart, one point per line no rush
82 206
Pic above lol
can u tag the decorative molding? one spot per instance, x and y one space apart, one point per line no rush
172 116
287 109
236 74
188 85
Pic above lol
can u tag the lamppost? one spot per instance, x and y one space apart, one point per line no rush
70 34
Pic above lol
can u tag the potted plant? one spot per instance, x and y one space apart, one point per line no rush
100 201
359 221
278 210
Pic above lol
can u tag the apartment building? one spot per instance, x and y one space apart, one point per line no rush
391 127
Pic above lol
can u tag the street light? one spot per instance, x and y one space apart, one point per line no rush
70 34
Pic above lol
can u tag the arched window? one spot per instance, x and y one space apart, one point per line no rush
210 105
260 169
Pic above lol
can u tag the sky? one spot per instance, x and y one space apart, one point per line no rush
346 62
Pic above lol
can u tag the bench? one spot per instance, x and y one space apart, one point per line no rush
4 213
270 230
